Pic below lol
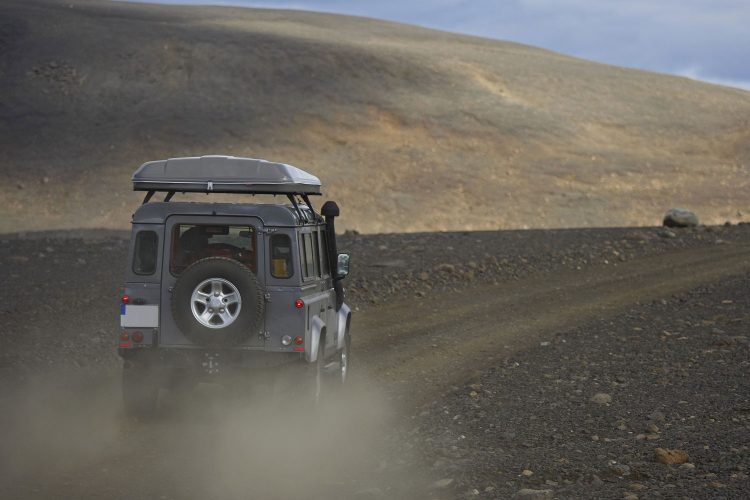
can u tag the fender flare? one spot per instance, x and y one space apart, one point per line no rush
317 329
344 317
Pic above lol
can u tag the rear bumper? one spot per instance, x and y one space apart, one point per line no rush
209 360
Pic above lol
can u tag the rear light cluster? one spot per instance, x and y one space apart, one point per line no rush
298 341
299 304
126 337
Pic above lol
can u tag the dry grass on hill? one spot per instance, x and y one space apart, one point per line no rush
410 129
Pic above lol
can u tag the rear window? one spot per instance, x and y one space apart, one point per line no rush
281 256
144 256
192 242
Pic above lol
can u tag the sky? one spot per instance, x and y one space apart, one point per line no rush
701 39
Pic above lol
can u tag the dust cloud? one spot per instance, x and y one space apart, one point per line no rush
66 436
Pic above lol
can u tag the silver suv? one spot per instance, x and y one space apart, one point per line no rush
220 288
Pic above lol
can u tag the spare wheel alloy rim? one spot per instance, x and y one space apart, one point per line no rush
215 303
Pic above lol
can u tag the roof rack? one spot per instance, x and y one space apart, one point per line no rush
223 174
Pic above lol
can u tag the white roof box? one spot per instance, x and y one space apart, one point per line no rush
224 174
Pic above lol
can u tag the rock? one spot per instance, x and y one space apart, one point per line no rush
601 398
527 473
652 429
667 234
670 457
657 416
687 466
534 494
442 483
619 469
446 268
629 496
424 276
679 217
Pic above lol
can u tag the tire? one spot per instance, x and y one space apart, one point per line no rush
233 308
312 384
140 389
340 376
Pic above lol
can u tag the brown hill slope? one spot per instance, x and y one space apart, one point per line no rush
410 129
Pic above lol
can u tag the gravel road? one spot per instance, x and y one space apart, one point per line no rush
477 357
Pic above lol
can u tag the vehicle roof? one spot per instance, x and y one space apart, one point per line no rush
271 215
224 174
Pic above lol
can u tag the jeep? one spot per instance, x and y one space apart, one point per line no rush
222 288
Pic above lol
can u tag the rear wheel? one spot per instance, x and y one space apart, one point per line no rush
140 388
343 358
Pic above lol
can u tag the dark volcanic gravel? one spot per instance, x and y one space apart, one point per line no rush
59 300
583 412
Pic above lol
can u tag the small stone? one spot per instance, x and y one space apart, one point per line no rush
601 398
657 416
446 268
687 466
667 234
637 486
629 496
619 469
527 473
424 276
442 483
534 494
652 429
475 491
670 457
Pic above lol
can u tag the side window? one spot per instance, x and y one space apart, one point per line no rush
309 255
303 256
281 256
324 253
316 254
144 256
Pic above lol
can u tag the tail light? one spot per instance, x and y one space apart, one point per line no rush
125 299
137 337
299 303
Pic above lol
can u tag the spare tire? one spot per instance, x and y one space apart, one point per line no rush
217 302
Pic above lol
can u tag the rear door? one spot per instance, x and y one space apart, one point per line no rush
189 239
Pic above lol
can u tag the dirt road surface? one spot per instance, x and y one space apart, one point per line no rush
65 437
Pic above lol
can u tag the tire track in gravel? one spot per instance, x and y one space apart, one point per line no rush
418 349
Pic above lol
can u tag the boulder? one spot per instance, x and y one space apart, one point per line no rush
679 217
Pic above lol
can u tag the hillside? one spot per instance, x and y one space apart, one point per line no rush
410 129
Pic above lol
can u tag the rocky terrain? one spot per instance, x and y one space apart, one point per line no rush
583 414
537 364
410 129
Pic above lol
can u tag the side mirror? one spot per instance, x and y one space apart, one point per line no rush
342 265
